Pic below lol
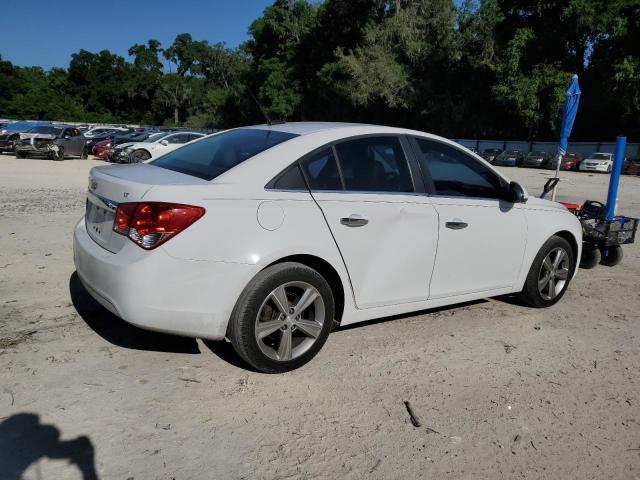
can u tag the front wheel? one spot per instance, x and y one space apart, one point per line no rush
59 154
20 154
283 318
550 274
85 153
140 156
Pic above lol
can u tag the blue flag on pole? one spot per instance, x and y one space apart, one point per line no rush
569 114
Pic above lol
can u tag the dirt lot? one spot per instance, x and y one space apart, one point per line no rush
501 391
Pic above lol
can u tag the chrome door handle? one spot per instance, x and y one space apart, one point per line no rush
354 221
456 225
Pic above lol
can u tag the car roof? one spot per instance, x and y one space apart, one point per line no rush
305 128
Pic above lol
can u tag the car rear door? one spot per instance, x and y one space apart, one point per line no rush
482 237
385 228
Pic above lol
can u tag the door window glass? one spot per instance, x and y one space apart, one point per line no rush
322 171
374 164
455 173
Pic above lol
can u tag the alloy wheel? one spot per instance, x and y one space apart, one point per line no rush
289 321
554 273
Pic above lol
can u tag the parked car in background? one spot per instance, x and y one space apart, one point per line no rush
570 161
100 137
597 162
158 144
10 134
105 147
266 235
51 141
536 159
96 131
490 154
509 158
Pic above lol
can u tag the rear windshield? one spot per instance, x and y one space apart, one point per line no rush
212 156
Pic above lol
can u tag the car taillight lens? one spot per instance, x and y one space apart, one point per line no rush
150 224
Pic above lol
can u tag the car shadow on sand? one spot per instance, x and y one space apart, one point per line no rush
120 333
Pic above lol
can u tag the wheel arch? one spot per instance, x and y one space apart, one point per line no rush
325 269
569 237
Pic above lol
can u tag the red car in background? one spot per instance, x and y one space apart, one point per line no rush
570 161
101 149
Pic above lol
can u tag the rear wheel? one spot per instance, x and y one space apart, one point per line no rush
550 274
612 257
85 153
20 154
590 256
283 318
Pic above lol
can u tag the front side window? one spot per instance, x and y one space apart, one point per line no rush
374 164
179 138
456 174
214 155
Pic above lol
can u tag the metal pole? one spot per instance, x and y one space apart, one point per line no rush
614 180
559 161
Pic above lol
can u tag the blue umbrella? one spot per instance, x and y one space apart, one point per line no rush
568 117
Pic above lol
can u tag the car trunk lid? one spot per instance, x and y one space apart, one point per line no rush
109 186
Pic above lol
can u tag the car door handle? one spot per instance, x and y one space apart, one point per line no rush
354 221
456 225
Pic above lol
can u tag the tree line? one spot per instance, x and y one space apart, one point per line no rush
473 69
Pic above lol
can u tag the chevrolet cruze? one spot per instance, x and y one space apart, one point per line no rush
271 235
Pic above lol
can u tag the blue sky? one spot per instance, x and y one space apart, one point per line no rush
47 32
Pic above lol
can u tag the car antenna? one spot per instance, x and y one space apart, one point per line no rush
263 111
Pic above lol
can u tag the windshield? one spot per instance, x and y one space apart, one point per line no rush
537 154
510 152
214 155
157 136
600 156
46 129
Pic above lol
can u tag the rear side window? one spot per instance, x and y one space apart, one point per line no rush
322 171
455 173
214 155
374 164
290 179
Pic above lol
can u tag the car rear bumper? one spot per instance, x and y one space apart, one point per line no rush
155 291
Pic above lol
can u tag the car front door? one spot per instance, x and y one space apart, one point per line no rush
384 229
482 237
66 141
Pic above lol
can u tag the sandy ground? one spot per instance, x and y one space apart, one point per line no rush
501 391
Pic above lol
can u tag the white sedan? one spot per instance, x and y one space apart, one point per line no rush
270 235
158 144
597 162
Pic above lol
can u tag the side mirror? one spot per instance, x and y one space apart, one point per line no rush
516 193
164 142
67 137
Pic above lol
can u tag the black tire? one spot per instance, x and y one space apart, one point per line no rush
242 324
140 156
609 169
59 155
531 294
590 256
613 256
20 154
85 153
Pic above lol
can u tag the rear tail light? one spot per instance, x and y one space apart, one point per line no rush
150 224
